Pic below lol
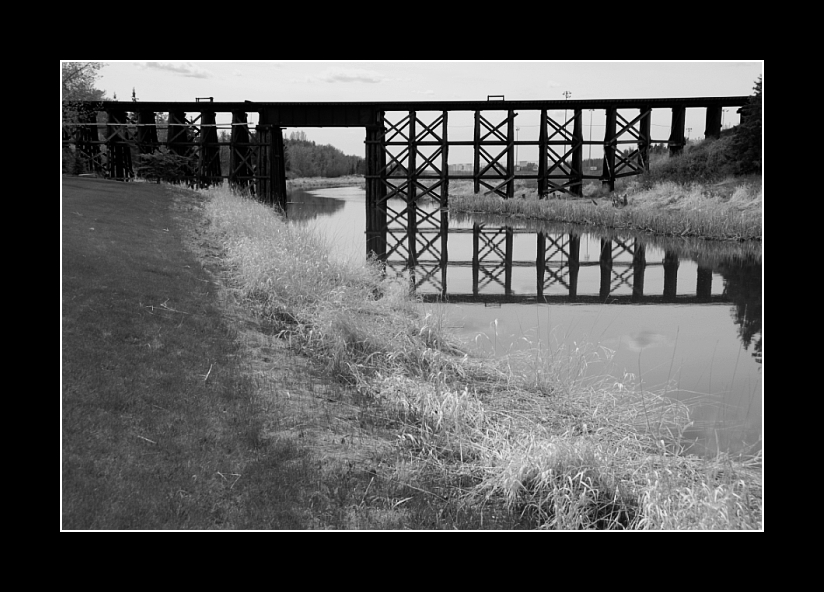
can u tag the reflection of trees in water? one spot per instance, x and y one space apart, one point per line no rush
305 206
742 284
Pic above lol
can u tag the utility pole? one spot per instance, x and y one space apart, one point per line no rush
566 94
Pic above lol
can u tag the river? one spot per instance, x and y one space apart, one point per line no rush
676 316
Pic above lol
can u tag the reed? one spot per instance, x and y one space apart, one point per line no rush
666 208
529 433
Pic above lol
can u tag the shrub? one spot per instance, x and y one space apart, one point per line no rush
164 166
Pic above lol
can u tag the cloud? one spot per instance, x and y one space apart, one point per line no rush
189 69
348 75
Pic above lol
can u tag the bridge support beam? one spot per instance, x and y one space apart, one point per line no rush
271 163
703 284
117 147
670 276
209 171
644 136
577 170
608 172
639 264
375 188
605 263
147 141
713 128
241 170
677 141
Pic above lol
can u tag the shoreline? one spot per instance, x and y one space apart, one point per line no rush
325 182
466 433
667 209
728 211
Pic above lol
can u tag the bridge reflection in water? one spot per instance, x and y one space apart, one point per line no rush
554 258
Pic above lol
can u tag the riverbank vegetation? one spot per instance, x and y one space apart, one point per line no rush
712 190
309 183
305 158
727 210
439 438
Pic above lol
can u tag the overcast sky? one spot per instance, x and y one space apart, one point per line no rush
266 81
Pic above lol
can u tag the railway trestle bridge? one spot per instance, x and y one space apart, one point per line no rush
407 147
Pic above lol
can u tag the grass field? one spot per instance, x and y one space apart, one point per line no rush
161 425
221 371
181 410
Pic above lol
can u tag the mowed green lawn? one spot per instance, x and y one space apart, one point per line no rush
160 428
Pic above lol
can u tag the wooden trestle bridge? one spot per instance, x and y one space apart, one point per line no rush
407 150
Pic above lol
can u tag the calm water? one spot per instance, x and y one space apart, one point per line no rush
671 312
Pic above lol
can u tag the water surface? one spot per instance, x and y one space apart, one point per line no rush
673 315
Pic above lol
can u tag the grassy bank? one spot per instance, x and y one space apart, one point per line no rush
321 182
430 437
162 423
721 211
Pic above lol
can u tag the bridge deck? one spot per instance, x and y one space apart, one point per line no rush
362 113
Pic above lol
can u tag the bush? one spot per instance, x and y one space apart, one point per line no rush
736 153
704 162
164 166
745 145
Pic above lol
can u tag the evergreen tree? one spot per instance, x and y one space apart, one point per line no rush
745 147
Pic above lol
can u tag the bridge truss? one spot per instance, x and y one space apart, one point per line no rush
408 147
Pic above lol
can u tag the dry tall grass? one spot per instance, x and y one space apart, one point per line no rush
530 433
723 211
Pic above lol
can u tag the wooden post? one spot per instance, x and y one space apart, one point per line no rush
444 201
240 164
176 135
119 152
574 265
644 137
411 206
477 145
543 188
476 263
510 154
670 276
146 132
508 262
279 168
209 171
88 142
676 140
577 184
703 288
375 188
608 174
271 168
540 262
713 129
639 265
606 268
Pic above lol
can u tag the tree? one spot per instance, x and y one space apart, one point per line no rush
78 81
77 84
745 145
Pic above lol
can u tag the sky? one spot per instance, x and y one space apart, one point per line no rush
310 81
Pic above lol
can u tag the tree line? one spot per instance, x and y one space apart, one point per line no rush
305 158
